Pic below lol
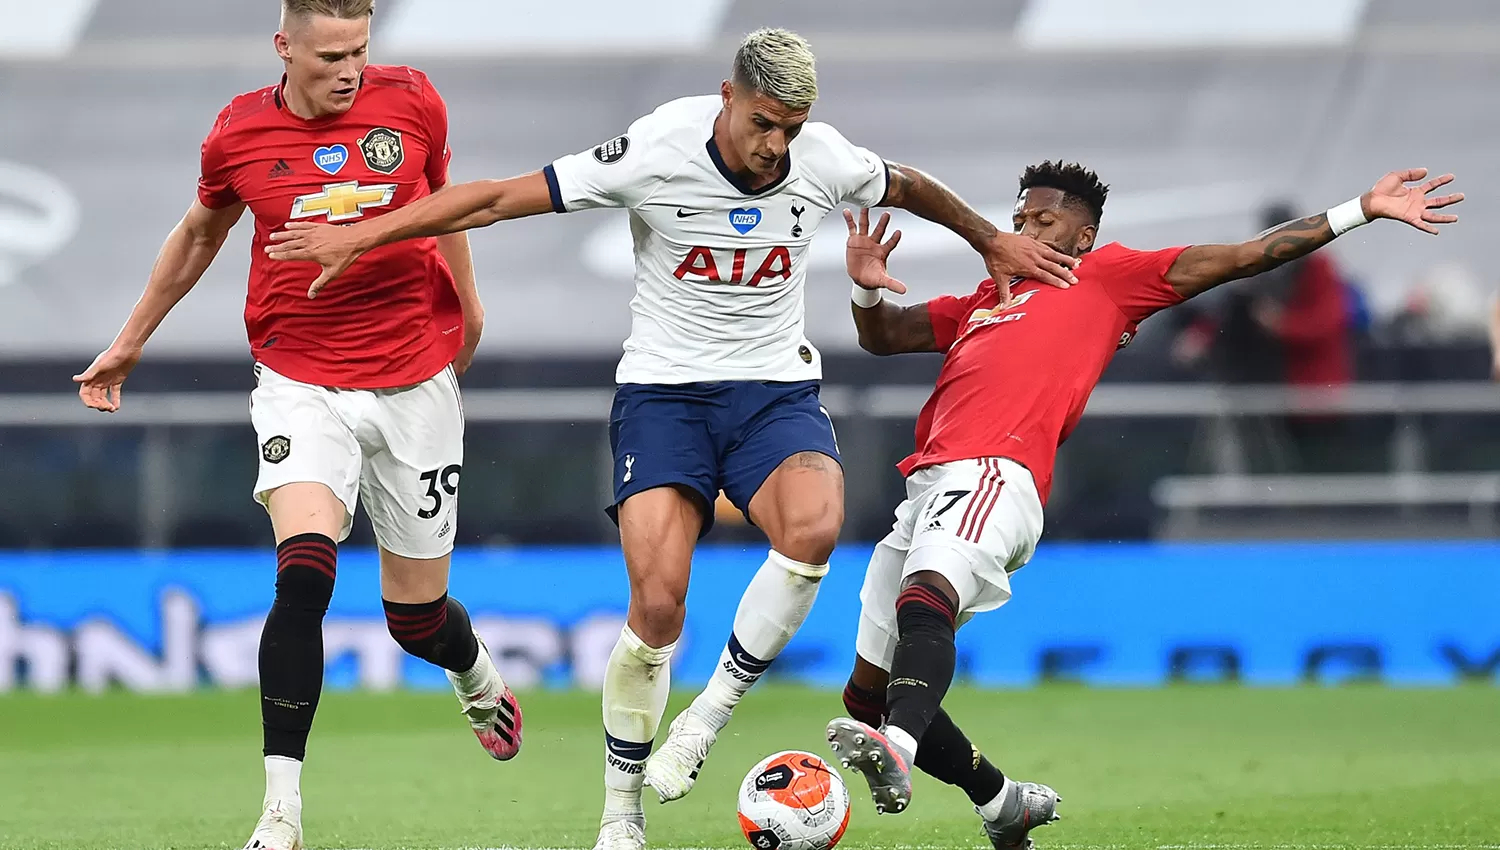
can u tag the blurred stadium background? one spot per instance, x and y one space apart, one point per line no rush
1232 507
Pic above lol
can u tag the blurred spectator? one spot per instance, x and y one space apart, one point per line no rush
1295 325
1445 306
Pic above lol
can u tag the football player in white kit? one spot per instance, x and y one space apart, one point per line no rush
718 386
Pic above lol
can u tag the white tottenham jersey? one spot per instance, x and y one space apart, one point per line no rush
719 268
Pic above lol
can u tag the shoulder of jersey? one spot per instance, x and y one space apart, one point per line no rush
823 145
686 117
819 134
246 106
1106 254
673 131
397 77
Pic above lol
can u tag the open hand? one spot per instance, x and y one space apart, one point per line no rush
328 245
1009 255
1393 199
865 253
100 385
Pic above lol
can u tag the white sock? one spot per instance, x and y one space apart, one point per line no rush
991 810
903 741
473 680
283 778
636 681
770 612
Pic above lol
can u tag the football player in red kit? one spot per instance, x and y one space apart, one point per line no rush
1016 376
356 392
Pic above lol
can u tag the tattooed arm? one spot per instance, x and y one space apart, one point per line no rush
923 195
1005 254
1202 267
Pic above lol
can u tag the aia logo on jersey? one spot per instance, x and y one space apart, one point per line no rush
700 262
343 201
382 150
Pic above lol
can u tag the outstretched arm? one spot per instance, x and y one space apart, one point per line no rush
463 206
1202 267
185 255
884 326
1005 254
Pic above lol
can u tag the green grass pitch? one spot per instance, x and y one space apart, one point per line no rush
1173 769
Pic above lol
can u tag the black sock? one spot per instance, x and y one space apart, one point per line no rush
866 706
924 661
436 631
291 643
945 754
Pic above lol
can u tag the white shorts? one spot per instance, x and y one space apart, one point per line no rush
974 522
401 450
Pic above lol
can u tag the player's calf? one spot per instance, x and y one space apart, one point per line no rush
947 755
925 657
437 632
866 706
291 644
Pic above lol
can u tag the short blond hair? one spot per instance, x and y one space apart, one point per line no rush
346 9
779 64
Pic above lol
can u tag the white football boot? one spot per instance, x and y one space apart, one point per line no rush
625 834
279 828
673 768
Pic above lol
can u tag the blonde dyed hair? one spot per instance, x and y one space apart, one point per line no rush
779 64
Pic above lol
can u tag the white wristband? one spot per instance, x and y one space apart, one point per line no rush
1346 216
866 298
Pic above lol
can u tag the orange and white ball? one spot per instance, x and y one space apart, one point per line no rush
793 801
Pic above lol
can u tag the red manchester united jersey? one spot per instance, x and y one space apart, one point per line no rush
1015 381
393 318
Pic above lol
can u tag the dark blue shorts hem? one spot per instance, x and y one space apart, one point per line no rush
704 501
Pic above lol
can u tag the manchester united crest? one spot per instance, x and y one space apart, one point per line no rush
382 150
276 449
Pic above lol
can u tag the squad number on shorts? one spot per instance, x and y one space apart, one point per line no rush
447 479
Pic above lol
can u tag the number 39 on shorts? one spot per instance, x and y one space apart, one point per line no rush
439 482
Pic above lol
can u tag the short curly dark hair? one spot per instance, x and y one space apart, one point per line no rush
1078 184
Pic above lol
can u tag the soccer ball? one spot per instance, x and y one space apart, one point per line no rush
793 801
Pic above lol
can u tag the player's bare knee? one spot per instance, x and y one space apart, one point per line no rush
810 536
657 607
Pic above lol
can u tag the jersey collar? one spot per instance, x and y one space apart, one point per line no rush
740 185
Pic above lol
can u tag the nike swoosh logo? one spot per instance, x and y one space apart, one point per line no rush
685 213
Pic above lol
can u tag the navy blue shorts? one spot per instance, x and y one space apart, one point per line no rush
713 436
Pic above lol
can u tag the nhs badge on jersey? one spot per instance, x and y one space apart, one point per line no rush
744 220
331 159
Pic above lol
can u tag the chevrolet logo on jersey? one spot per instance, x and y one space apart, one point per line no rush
343 201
